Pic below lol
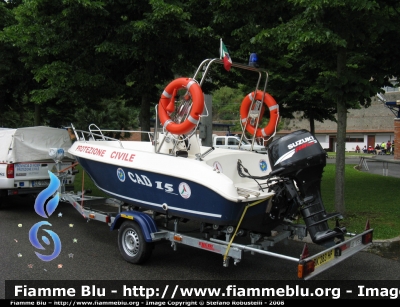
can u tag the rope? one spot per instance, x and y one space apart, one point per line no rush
68 167
83 190
240 221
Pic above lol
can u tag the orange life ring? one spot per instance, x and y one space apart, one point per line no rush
273 107
166 105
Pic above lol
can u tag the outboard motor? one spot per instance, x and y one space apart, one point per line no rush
301 158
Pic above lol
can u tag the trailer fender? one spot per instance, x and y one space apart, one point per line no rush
146 223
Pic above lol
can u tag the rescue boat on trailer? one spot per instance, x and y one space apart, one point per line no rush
174 175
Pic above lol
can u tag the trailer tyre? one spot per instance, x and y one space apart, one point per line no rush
131 243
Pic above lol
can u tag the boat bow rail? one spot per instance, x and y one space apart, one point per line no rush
94 133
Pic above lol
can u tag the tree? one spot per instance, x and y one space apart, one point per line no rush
292 80
15 79
346 38
110 114
324 57
81 52
226 103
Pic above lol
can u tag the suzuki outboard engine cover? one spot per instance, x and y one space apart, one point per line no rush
300 157
296 151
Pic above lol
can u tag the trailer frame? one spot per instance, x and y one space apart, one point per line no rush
152 228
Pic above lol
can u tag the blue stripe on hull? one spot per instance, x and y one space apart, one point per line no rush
152 190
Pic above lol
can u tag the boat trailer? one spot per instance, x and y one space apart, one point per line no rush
140 230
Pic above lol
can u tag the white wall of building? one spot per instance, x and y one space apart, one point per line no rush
323 139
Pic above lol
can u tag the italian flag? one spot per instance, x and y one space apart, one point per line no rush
224 54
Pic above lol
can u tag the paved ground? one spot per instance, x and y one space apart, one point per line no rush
383 165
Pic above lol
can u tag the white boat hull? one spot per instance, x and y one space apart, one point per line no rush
208 189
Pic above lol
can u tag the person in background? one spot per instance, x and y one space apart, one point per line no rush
371 149
383 148
388 145
357 149
378 149
365 150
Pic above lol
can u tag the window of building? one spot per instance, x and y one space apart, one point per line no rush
354 140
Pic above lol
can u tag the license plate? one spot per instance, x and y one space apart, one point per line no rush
40 183
324 258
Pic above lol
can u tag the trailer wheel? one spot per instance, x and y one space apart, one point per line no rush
132 244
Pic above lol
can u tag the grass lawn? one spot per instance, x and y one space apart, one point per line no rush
88 184
367 197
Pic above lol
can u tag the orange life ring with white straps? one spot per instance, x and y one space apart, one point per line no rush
166 105
273 107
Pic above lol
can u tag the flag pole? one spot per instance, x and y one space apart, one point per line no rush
220 48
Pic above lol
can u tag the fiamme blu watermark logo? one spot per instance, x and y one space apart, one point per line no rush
41 208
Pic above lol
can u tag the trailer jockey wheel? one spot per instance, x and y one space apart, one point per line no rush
131 243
